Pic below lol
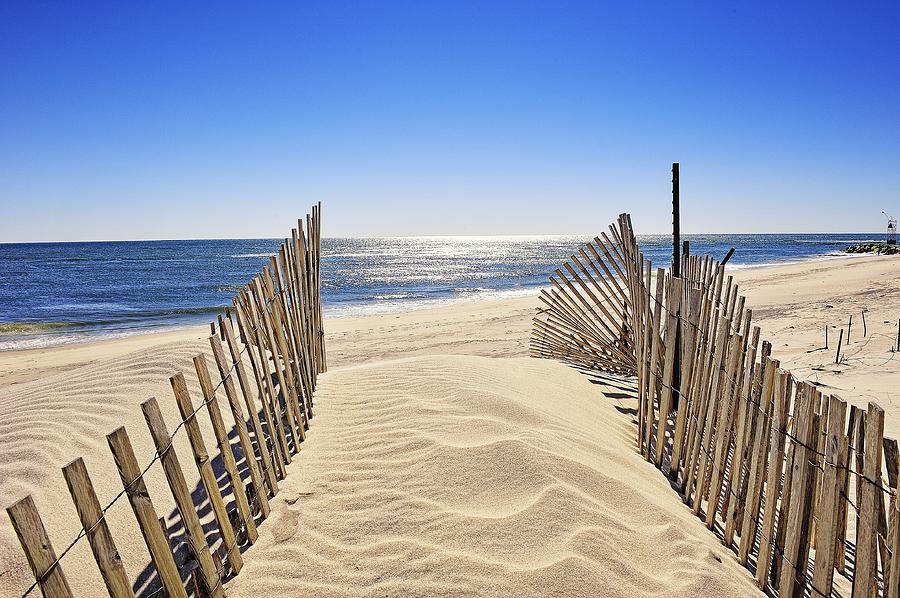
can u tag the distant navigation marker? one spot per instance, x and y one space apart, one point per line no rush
892 229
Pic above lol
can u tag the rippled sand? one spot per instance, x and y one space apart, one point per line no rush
441 461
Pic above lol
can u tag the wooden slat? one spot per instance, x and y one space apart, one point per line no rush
282 368
827 511
712 359
263 443
712 409
240 425
290 315
787 486
864 583
225 450
775 463
696 391
744 409
688 353
145 513
891 464
759 460
756 412
673 307
182 495
96 529
268 395
267 343
38 549
304 282
295 291
207 475
724 426
645 395
840 544
734 470
317 261
793 561
654 358
293 371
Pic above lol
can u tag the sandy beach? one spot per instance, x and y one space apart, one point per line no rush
442 461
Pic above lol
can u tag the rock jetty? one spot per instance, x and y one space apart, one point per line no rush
876 247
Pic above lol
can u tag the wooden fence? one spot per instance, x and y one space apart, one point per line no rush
787 476
278 317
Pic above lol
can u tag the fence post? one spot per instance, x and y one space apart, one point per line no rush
38 549
182 495
724 426
775 466
267 343
280 361
866 541
771 385
793 559
267 393
145 513
690 340
828 511
96 529
712 408
241 425
673 306
891 465
262 442
655 332
207 475
215 416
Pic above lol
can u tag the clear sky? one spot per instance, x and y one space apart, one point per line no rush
145 120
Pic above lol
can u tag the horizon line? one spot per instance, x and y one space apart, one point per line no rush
431 236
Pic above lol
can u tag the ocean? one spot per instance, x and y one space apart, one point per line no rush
53 293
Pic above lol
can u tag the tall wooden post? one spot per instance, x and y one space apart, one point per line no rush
676 271
676 222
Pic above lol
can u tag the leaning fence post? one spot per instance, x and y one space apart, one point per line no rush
38 549
145 513
94 523
837 356
262 441
207 475
182 495
218 424
241 425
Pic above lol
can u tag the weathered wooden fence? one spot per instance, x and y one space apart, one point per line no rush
789 477
278 319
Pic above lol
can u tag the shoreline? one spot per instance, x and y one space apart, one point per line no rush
345 332
361 310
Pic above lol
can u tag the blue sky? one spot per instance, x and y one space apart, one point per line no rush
202 120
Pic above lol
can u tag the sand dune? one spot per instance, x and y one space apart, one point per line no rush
46 423
465 476
432 475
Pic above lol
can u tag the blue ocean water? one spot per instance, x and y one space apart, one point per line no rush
54 293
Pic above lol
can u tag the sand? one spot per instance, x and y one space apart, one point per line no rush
442 461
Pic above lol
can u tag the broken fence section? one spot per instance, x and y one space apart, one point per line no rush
800 486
